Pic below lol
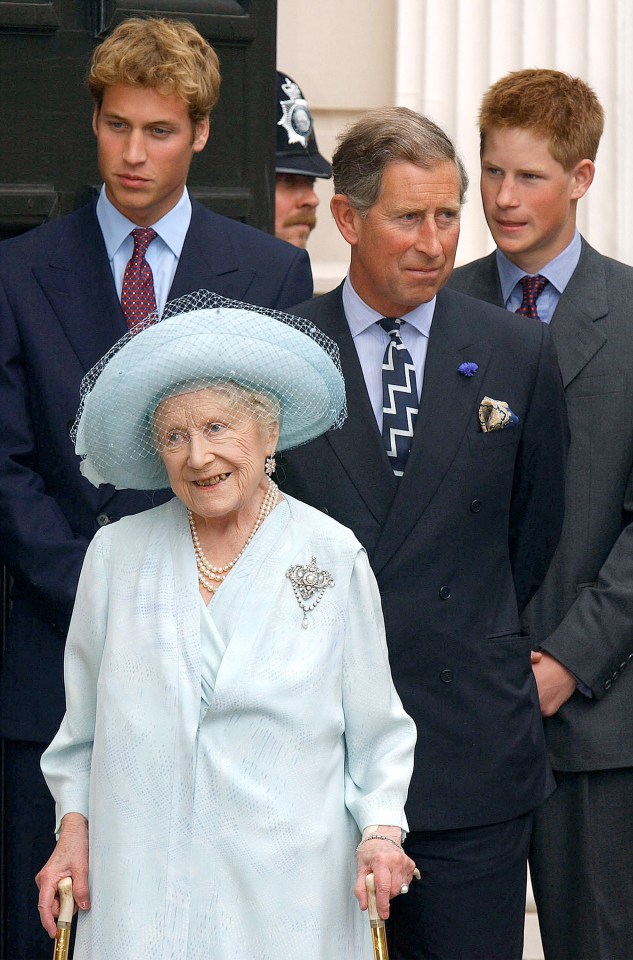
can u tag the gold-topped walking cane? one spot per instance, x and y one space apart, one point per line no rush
377 924
65 918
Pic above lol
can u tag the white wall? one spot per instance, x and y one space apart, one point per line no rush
438 57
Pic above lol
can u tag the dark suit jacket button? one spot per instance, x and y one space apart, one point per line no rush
445 592
446 676
103 519
475 506
325 510
607 685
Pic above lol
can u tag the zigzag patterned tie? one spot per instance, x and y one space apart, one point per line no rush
399 396
137 293
532 287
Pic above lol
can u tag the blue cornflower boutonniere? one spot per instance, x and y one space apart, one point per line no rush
468 369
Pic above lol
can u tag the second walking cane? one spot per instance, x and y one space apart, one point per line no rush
65 918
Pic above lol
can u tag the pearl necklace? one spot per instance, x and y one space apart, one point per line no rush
212 577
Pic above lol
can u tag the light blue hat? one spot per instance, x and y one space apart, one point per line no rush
264 351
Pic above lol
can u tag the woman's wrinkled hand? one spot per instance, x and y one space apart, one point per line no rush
68 859
390 866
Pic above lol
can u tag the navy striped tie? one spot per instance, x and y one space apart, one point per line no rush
399 396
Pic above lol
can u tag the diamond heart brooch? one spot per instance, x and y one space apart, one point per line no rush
309 584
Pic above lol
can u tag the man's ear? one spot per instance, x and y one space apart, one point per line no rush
95 117
346 218
582 178
200 135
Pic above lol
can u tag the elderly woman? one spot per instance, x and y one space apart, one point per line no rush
231 725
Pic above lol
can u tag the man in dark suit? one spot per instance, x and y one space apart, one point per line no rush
461 540
540 131
65 297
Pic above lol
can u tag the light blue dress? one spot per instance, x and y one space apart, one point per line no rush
226 757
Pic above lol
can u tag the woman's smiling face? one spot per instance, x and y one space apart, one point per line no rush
214 443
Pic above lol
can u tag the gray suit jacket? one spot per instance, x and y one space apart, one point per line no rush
583 613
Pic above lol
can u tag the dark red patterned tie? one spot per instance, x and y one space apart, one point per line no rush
532 289
137 292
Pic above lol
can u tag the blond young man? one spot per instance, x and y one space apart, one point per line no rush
540 131
154 83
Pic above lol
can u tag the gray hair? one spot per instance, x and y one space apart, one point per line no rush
260 406
380 137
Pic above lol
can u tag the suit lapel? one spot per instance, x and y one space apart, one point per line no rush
358 444
584 301
447 404
487 286
78 284
209 260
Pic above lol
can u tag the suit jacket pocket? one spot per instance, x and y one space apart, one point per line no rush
598 385
495 438
518 638
509 686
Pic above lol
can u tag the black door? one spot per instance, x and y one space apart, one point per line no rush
47 151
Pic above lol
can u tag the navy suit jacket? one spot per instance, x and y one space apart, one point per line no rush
458 546
59 313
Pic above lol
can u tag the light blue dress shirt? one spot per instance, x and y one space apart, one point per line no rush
558 271
162 254
371 341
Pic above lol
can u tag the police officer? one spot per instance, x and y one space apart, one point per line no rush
298 163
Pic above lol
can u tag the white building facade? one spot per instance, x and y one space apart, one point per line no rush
438 57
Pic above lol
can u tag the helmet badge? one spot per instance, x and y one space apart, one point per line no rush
296 119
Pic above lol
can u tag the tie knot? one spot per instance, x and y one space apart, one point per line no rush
532 287
391 325
142 237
